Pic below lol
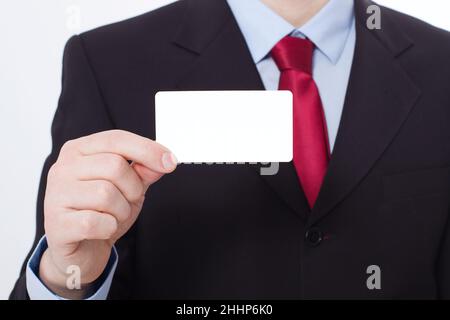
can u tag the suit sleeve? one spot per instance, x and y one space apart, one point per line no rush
81 111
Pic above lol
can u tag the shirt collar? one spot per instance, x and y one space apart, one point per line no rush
263 28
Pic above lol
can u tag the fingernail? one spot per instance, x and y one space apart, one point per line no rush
169 161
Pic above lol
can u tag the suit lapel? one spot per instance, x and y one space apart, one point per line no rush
379 98
224 62
286 185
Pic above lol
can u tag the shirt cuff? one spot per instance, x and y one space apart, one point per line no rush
38 291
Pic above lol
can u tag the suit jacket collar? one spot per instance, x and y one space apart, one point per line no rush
202 23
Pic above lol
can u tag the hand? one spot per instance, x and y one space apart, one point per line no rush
93 197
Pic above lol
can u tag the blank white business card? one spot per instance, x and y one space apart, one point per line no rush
225 126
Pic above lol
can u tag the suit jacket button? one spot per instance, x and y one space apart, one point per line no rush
313 237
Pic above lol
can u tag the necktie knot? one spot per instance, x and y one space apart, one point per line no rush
292 53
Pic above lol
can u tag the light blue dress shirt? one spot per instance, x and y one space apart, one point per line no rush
332 30
38 291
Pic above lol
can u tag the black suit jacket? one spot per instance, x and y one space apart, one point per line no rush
225 231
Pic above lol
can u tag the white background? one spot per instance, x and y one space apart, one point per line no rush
32 36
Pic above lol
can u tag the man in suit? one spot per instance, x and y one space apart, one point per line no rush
367 216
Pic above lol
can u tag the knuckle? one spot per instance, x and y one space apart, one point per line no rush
54 171
68 146
105 191
117 165
127 212
114 227
124 213
57 175
88 225
137 193
110 137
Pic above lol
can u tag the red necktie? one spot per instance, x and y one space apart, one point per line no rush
293 57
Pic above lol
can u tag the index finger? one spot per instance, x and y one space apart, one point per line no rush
131 146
